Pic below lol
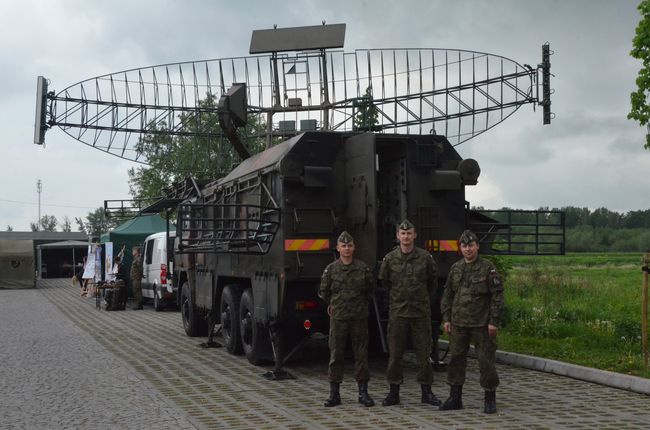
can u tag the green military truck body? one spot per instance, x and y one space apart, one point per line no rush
251 247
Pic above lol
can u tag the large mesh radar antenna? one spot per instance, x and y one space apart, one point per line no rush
297 80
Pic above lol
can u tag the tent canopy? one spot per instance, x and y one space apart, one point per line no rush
140 227
133 232
17 264
64 244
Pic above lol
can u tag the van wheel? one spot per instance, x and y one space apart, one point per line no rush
229 311
254 340
157 305
193 325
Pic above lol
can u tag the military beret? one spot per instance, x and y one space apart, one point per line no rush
345 237
406 225
468 237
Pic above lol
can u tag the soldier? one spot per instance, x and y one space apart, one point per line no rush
471 309
410 275
136 278
345 287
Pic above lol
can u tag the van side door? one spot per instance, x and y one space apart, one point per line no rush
148 279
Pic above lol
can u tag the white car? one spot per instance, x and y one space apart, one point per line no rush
157 269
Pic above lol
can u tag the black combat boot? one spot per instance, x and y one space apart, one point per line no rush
428 396
393 396
335 397
490 402
364 397
455 400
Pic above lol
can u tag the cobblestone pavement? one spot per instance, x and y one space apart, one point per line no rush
159 371
55 375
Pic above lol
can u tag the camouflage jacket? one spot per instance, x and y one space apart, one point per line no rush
347 289
136 269
473 295
412 280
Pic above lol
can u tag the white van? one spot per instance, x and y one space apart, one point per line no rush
157 280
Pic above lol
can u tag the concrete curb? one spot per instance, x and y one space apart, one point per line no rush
588 374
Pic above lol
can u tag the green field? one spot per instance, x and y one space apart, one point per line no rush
579 308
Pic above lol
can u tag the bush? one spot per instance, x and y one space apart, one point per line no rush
503 265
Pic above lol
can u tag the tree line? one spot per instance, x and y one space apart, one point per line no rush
587 230
598 230
605 218
603 230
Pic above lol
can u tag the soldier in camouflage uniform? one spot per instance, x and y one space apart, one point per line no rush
345 287
411 276
471 309
136 278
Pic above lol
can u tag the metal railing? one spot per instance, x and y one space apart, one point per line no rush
519 232
229 228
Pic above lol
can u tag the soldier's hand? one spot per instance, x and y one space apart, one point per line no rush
447 326
492 330
329 310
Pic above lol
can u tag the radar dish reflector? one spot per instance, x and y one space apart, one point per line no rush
451 92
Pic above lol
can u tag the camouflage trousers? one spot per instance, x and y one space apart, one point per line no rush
357 331
486 347
136 286
400 330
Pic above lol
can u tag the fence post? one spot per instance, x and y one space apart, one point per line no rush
644 313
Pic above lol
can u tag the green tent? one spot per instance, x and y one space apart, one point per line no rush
133 233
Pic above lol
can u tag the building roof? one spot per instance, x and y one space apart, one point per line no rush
44 236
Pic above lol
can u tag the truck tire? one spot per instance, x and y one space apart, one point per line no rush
157 305
254 340
193 325
229 312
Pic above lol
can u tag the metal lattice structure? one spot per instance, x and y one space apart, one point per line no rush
456 93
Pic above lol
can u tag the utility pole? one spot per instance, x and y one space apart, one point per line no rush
39 188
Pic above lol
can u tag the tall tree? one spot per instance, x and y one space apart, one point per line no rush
367 115
641 49
575 216
48 223
172 158
96 223
637 219
81 226
66 225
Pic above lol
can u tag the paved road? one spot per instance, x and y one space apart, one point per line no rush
72 365
54 374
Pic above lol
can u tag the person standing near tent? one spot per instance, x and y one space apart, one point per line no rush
79 276
136 278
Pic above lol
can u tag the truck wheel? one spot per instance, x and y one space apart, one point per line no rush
157 305
229 311
253 337
193 325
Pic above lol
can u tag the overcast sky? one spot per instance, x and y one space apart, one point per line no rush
591 155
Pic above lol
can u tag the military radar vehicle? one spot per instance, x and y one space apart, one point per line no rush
354 141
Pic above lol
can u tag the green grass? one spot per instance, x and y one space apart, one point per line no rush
578 308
